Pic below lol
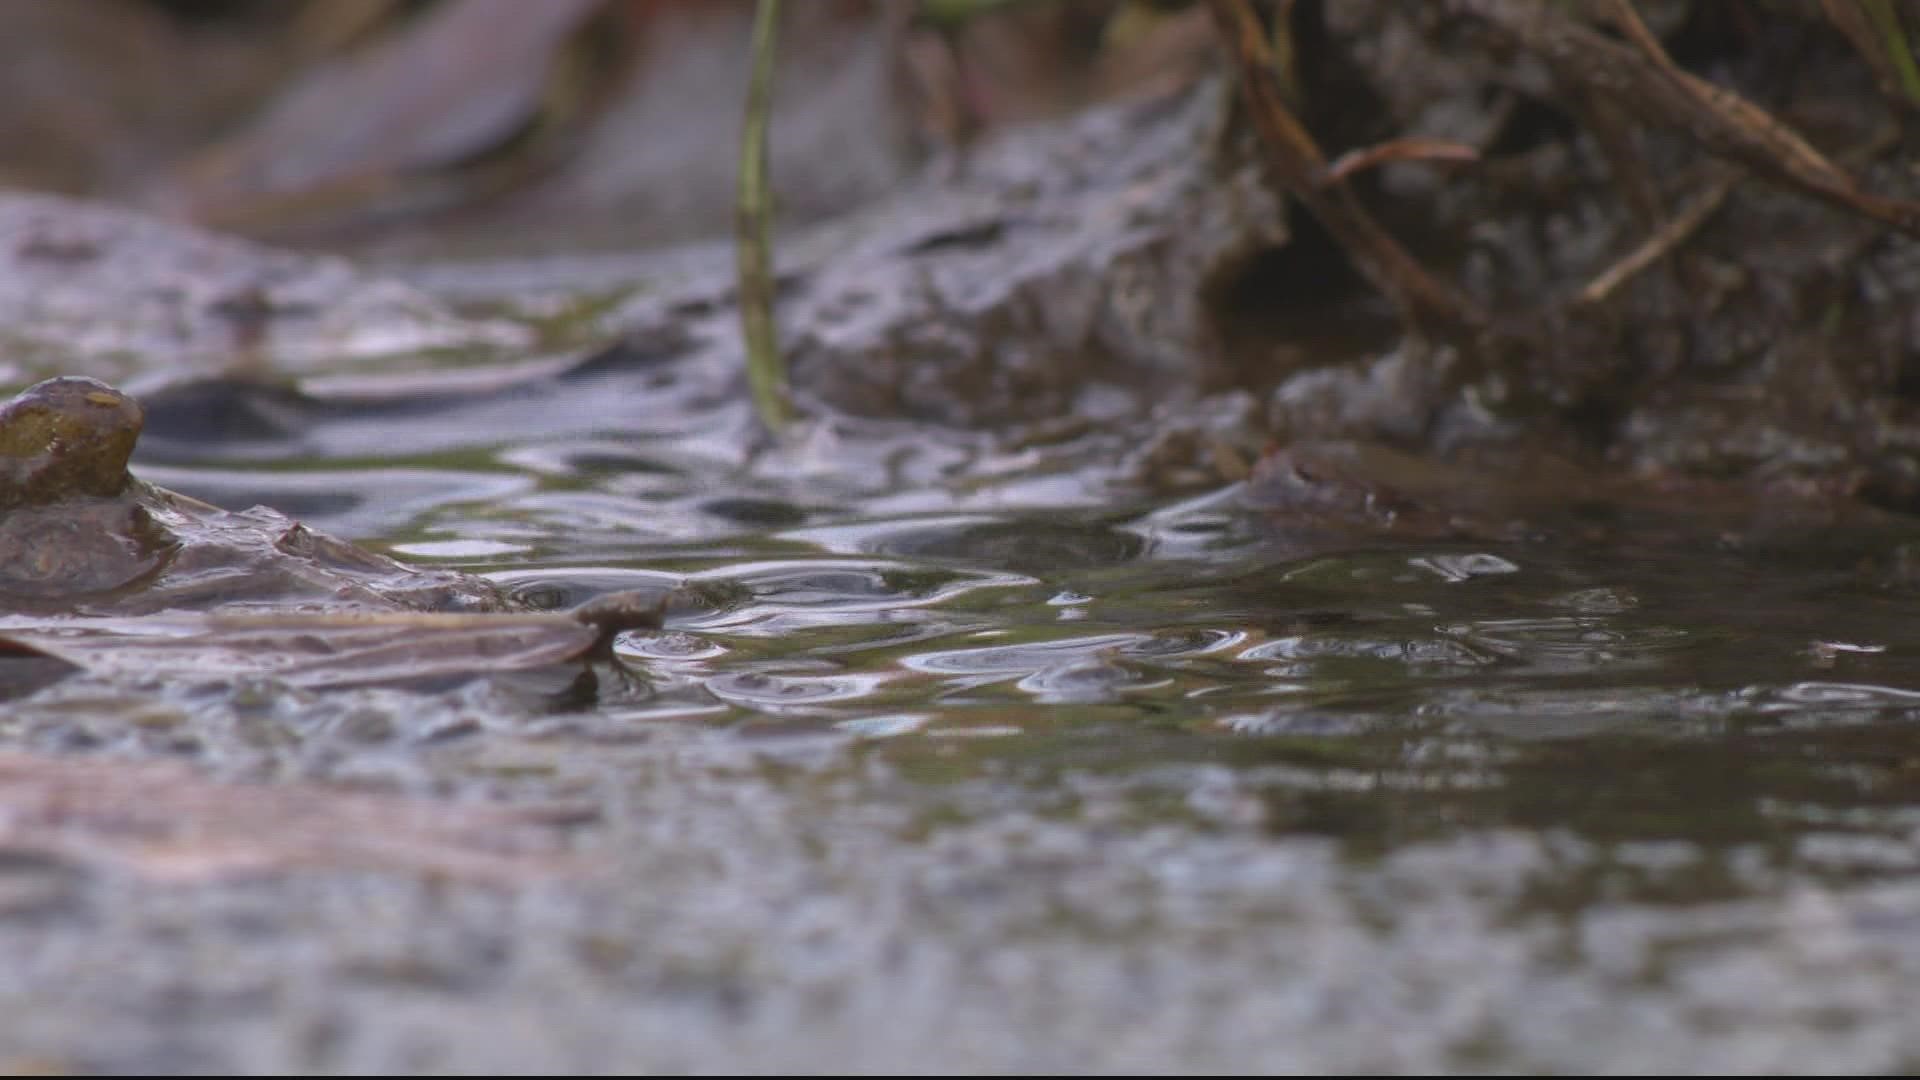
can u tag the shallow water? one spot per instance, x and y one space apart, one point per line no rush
954 758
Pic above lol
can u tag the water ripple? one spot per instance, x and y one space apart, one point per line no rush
770 690
1088 682
1025 658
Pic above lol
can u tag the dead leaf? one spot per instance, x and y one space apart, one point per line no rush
163 822
458 82
330 651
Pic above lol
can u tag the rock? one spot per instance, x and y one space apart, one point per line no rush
78 533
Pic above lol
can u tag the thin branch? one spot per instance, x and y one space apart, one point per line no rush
1299 166
1656 91
1669 235
1412 148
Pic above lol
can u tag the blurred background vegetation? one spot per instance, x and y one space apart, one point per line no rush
441 127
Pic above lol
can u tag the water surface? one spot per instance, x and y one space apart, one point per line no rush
955 758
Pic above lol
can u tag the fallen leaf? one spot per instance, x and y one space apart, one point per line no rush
328 650
163 822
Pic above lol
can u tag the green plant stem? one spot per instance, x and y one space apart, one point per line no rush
1894 41
766 369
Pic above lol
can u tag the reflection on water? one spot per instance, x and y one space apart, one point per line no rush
1424 666
1124 782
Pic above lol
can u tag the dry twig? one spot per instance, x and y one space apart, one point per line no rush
1298 164
1643 79
1671 234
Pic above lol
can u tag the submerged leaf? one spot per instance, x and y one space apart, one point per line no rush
163 822
324 651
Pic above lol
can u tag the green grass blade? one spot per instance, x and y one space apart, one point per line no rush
766 368
1894 39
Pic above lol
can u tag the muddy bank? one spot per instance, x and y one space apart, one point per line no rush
1773 335
1141 247
1062 269
1138 254
1094 265
1060 262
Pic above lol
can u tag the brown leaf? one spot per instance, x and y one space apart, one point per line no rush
311 651
162 822
459 81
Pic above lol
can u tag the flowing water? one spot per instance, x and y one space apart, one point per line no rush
957 758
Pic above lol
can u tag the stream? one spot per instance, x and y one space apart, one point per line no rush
994 725
1012 772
